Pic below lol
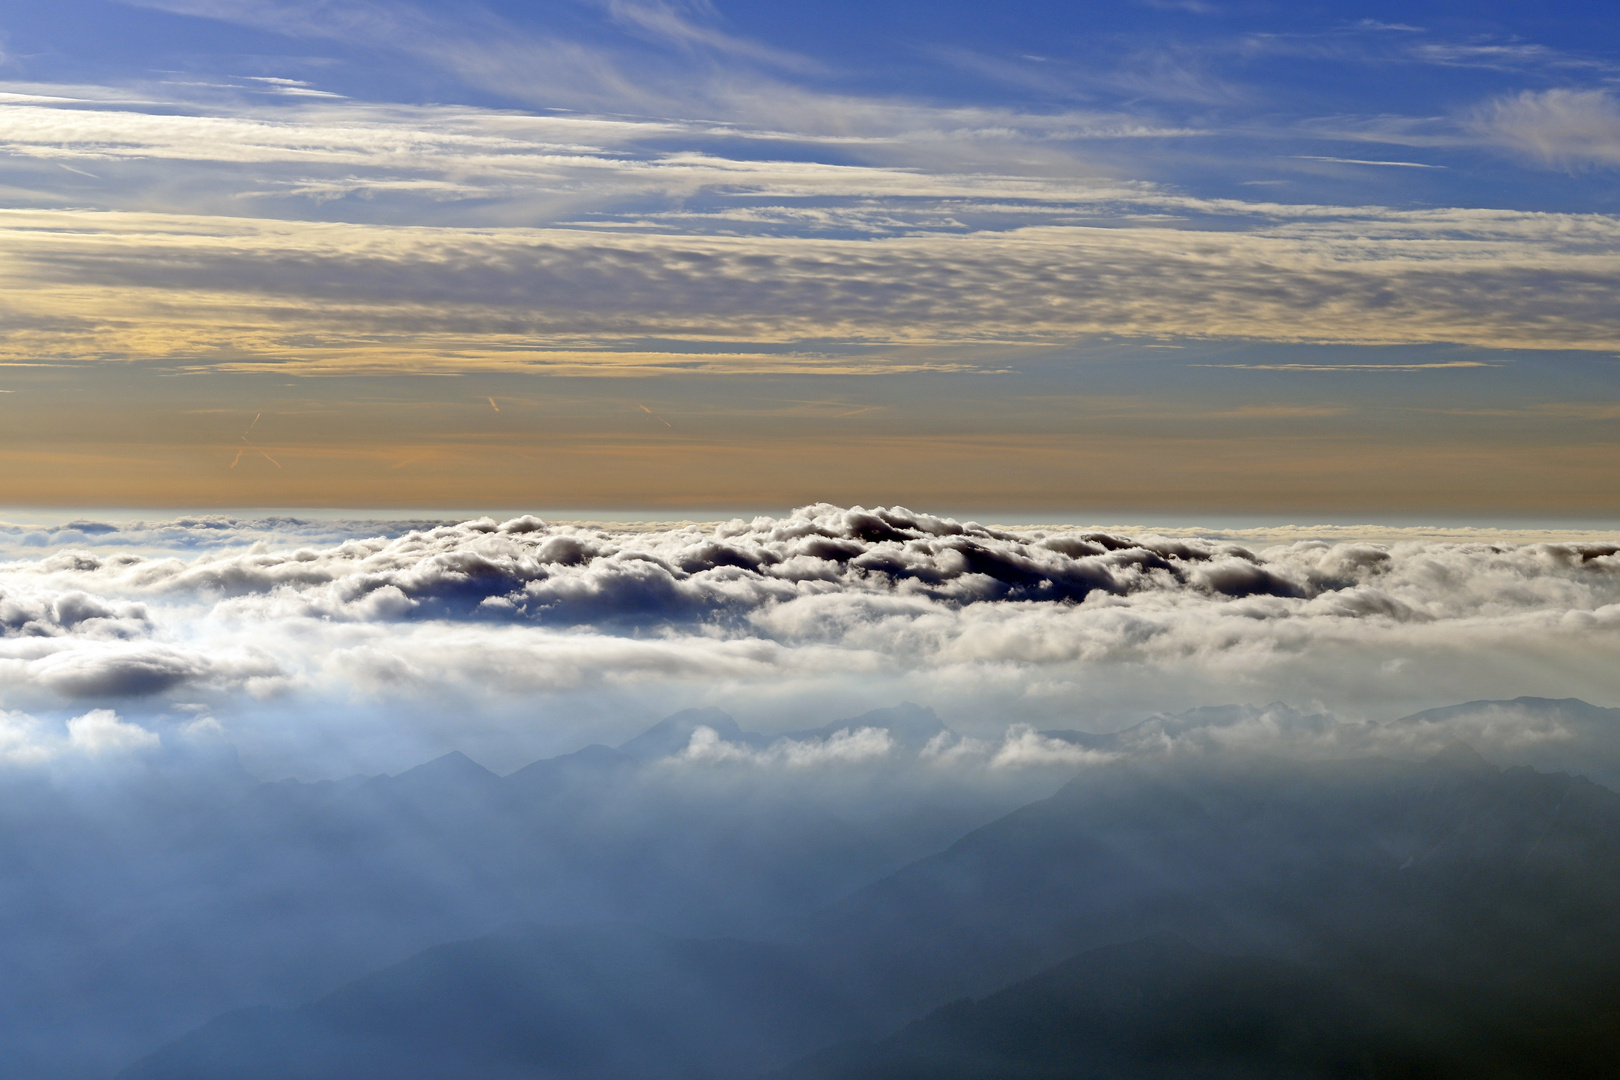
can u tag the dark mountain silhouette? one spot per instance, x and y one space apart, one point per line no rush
1359 918
1160 1009
1450 865
130 920
602 1003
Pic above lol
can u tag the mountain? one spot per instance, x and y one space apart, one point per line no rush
1396 918
130 920
897 882
1160 1009
1546 733
673 734
910 726
529 1001
1448 865
600 1003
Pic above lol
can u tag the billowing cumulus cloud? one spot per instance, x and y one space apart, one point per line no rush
101 731
464 630
98 734
24 615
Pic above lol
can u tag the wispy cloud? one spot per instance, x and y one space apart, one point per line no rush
1364 161
216 291
693 25
1562 128
1436 366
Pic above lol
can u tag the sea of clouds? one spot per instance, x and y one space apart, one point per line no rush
319 647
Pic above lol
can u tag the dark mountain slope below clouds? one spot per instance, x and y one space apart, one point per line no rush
129 922
1450 865
1404 906
1159 1009
586 1003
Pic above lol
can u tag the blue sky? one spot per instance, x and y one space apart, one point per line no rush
1259 88
1180 238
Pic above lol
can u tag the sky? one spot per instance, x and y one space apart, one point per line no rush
1121 381
1155 257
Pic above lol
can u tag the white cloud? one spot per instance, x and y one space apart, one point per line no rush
474 626
1024 746
1562 128
843 747
27 741
102 732
668 22
22 740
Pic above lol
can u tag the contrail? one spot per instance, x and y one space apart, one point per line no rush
494 406
258 451
654 415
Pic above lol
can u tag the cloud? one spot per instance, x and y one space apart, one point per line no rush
844 747
434 636
709 234
79 613
494 53
21 740
1514 56
1562 128
676 23
1024 746
102 732
26 741
1362 161
184 536
569 575
376 298
833 574
114 673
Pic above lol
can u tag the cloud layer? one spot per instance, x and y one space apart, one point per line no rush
565 242
461 628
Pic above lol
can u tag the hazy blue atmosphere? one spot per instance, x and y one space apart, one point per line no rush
693 540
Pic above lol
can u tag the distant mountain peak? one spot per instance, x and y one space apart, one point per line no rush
1571 707
672 734
447 767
